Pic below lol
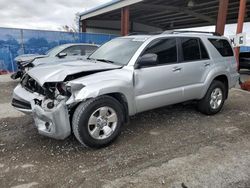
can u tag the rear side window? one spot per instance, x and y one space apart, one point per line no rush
87 50
193 49
165 49
222 46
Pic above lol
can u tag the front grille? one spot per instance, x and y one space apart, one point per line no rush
21 104
31 85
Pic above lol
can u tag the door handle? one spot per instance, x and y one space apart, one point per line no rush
206 64
175 69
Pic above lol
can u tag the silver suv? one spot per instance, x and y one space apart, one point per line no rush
95 97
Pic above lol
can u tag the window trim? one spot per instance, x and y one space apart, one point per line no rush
201 42
160 38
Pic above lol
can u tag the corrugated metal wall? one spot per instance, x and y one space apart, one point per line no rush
14 42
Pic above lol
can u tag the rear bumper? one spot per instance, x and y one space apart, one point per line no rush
234 80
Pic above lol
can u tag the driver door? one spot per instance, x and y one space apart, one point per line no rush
161 84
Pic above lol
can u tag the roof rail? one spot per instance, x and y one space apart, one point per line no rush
172 32
189 31
145 33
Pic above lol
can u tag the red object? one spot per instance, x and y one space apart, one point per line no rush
222 17
241 16
245 85
3 72
125 21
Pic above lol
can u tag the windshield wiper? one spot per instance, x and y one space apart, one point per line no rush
90 58
105 60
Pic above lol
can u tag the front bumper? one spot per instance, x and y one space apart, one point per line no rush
53 122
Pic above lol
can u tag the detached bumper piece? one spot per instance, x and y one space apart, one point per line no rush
54 122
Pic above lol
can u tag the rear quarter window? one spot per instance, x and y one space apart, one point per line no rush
222 46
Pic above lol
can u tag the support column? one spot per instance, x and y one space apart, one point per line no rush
84 26
222 17
241 16
125 21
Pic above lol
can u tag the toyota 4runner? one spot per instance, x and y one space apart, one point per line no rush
127 75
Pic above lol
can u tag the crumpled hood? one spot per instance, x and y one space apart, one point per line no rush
58 72
48 61
28 57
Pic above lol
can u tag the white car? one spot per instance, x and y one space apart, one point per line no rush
59 54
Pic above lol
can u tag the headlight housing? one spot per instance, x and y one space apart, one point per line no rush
63 89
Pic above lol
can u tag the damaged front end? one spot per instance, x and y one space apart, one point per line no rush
22 68
48 106
51 94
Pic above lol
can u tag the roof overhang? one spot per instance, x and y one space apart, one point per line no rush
167 14
108 7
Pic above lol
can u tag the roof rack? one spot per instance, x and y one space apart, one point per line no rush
145 33
189 31
173 32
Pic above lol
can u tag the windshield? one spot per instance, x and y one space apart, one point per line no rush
118 51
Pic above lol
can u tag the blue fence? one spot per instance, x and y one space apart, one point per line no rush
245 49
14 42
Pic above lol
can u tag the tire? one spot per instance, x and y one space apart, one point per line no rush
92 124
207 104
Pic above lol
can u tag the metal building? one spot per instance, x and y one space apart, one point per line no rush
125 16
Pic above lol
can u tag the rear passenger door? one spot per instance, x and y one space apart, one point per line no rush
195 64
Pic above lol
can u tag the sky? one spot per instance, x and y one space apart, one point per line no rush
42 14
53 14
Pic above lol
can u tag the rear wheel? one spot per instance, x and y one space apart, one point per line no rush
97 122
214 99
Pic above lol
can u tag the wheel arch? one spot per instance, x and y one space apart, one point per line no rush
222 77
121 98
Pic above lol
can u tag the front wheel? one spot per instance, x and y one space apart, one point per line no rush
214 99
97 122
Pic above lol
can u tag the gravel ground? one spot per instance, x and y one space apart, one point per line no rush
173 146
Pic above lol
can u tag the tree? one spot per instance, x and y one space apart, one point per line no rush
74 28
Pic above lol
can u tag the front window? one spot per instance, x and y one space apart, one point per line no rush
165 49
117 51
54 51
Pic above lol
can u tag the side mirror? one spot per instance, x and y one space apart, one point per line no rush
62 54
148 60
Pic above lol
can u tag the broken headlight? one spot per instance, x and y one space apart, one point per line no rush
63 89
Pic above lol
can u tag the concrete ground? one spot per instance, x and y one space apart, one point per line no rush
175 146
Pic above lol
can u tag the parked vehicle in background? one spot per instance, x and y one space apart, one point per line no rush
126 76
244 60
65 52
